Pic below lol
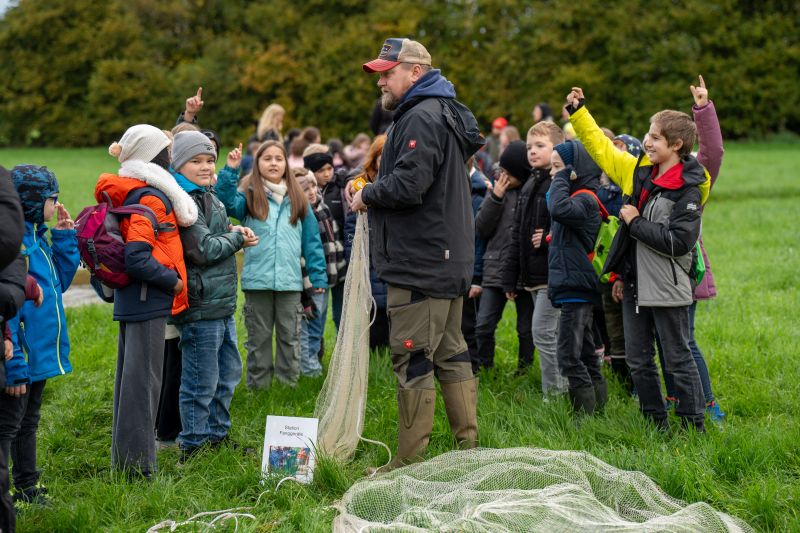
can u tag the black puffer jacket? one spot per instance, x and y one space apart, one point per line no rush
526 266
494 224
423 234
576 221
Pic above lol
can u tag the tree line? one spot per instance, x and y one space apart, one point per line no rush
78 72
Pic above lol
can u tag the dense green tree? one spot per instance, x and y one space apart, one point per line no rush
78 72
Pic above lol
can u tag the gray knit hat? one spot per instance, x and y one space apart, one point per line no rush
187 144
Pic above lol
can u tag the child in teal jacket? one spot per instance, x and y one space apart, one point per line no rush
271 203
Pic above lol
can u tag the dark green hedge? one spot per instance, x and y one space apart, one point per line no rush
78 72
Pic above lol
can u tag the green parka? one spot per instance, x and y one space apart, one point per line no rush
209 249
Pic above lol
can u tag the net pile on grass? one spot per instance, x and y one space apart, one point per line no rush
342 400
520 489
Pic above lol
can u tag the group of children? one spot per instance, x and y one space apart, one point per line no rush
536 225
539 224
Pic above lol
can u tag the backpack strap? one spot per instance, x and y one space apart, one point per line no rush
603 210
133 201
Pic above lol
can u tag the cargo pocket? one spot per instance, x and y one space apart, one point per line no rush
409 339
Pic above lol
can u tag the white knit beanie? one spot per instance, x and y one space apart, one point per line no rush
140 143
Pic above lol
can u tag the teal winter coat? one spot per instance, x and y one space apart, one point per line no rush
274 264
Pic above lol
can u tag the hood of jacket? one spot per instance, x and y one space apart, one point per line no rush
458 116
143 174
585 168
431 84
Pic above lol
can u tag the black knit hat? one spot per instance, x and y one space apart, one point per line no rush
566 151
514 160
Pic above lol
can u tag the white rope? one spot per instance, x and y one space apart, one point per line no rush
235 513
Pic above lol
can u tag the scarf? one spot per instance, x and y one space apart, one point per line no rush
155 176
276 190
184 182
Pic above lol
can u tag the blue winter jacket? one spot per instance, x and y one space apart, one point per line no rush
274 264
41 344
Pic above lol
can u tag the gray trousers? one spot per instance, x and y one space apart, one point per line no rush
137 387
545 338
263 311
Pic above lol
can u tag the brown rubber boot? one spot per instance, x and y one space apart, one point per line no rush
461 403
415 408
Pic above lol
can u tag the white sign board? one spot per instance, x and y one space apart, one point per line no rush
289 447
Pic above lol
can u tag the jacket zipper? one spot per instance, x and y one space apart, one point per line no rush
58 313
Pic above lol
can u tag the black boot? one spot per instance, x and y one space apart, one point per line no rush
583 400
600 393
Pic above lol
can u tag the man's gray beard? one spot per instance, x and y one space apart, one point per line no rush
389 102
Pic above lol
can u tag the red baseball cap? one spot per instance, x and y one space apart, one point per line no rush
396 51
499 123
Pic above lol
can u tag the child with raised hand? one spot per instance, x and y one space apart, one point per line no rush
211 364
709 154
39 330
272 204
494 225
526 264
653 251
573 285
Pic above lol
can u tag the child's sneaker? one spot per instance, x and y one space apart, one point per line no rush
714 413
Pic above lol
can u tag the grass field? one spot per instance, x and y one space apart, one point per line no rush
749 467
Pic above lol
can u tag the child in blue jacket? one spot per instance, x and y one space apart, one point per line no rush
39 334
271 203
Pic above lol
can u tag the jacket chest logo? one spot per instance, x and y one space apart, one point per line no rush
412 144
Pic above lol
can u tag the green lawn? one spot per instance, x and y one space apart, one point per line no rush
750 467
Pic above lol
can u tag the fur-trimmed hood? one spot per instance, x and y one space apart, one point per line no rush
154 176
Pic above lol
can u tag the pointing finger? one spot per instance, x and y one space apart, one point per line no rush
199 93
702 82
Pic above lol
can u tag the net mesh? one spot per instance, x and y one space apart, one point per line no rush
520 489
340 404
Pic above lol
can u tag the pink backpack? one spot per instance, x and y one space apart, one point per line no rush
100 241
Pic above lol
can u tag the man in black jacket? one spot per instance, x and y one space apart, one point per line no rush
423 242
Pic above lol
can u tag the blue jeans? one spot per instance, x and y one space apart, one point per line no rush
700 361
311 336
212 367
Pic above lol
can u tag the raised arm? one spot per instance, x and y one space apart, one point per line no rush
708 131
227 187
617 165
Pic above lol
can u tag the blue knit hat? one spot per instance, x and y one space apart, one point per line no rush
567 152
632 144
35 185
